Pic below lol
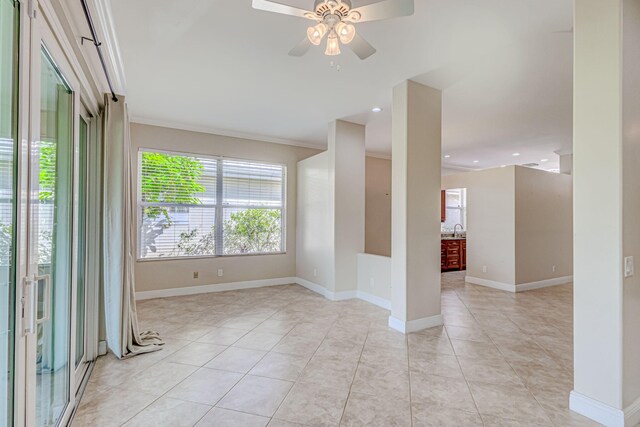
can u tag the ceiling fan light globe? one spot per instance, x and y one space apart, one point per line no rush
333 45
346 32
316 33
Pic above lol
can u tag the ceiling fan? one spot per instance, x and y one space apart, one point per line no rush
335 19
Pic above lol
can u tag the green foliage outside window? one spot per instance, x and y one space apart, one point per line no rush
169 179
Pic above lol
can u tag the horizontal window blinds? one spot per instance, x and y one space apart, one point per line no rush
202 206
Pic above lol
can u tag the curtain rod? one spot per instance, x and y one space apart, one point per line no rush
97 44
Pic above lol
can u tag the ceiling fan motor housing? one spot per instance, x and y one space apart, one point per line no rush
339 7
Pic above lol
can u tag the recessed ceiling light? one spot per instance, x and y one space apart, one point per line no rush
446 156
503 166
515 154
544 160
376 109
476 161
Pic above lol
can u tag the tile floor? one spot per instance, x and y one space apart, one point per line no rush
284 356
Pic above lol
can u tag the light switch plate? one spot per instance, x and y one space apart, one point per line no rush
629 266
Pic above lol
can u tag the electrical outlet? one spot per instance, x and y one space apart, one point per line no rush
315 272
484 268
220 272
554 268
629 267
195 274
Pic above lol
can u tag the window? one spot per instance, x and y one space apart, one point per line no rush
456 205
190 206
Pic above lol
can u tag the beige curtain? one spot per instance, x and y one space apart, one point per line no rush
123 335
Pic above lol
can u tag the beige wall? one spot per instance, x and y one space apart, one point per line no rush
378 207
490 222
631 190
598 201
519 224
166 274
544 225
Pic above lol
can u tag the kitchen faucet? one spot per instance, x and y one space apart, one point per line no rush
455 229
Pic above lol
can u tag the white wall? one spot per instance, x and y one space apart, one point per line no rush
374 277
167 274
314 229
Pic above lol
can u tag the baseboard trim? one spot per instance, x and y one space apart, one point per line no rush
219 287
596 410
521 287
232 286
102 348
415 325
544 283
375 300
632 413
490 284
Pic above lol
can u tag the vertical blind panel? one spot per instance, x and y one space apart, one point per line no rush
252 184
179 179
167 232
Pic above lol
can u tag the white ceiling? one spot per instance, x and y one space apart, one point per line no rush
505 67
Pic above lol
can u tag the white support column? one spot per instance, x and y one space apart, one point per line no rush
606 211
347 173
415 234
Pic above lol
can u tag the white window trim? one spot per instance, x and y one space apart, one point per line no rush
219 206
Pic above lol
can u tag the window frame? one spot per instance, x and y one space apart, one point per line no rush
219 206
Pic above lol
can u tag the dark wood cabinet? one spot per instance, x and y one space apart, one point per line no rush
453 254
443 205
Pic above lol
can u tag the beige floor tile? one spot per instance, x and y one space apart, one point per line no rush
507 401
323 343
258 340
111 408
219 417
434 364
441 391
366 410
159 378
312 404
256 395
490 421
242 322
236 359
476 349
300 345
170 413
280 366
426 415
381 381
334 373
197 353
222 336
493 371
467 333
206 386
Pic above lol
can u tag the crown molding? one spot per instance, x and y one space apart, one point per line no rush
111 48
223 132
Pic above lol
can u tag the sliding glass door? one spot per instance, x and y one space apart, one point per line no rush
51 240
8 144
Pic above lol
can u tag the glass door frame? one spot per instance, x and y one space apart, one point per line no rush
39 26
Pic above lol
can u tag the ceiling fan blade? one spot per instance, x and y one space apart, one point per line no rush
273 6
301 48
361 47
385 9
